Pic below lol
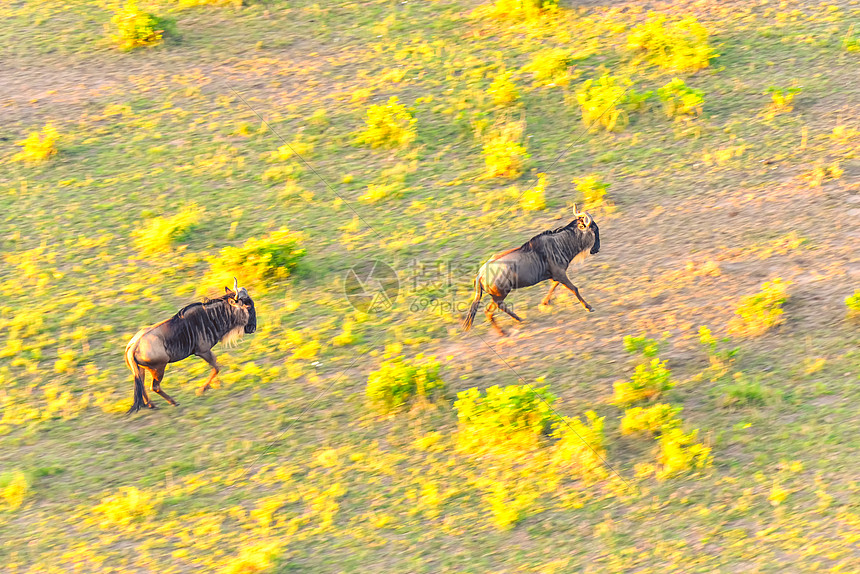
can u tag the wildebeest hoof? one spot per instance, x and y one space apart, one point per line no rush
152 406
590 309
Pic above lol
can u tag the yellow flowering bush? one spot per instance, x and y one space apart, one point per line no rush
38 148
593 190
269 258
680 45
550 67
377 192
159 234
389 125
581 446
398 381
649 381
761 311
134 27
504 153
122 509
782 99
533 199
508 507
254 559
679 453
514 415
599 101
503 90
853 303
14 488
526 9
651 420
679 100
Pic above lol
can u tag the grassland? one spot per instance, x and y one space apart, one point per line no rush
286 467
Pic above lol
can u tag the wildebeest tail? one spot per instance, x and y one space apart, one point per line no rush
138 372
479 292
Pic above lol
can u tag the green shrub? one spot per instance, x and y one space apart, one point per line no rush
258 261
782 99
642 345
38 148
134 27
652 420
504 153
649 381
517 414
398 381
849 42
853 303
390 125
743 392
680 45
679 100
719 356
158 235
758 313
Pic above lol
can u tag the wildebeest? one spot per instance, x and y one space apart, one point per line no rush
544 256
194 330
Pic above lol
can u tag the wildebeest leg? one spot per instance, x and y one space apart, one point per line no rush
209 357
549 294
489 313
148 403
157 376
504 307
566 282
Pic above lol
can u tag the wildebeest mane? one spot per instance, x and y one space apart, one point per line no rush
210 320
206 301
531 244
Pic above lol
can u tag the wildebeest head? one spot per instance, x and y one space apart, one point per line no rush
239 298
586 223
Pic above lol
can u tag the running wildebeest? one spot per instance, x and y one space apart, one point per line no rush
194 330
544 256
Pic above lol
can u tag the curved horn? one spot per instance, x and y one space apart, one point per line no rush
586 220
575 211
235 287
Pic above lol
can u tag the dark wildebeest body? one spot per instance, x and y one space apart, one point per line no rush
544 256
194 330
